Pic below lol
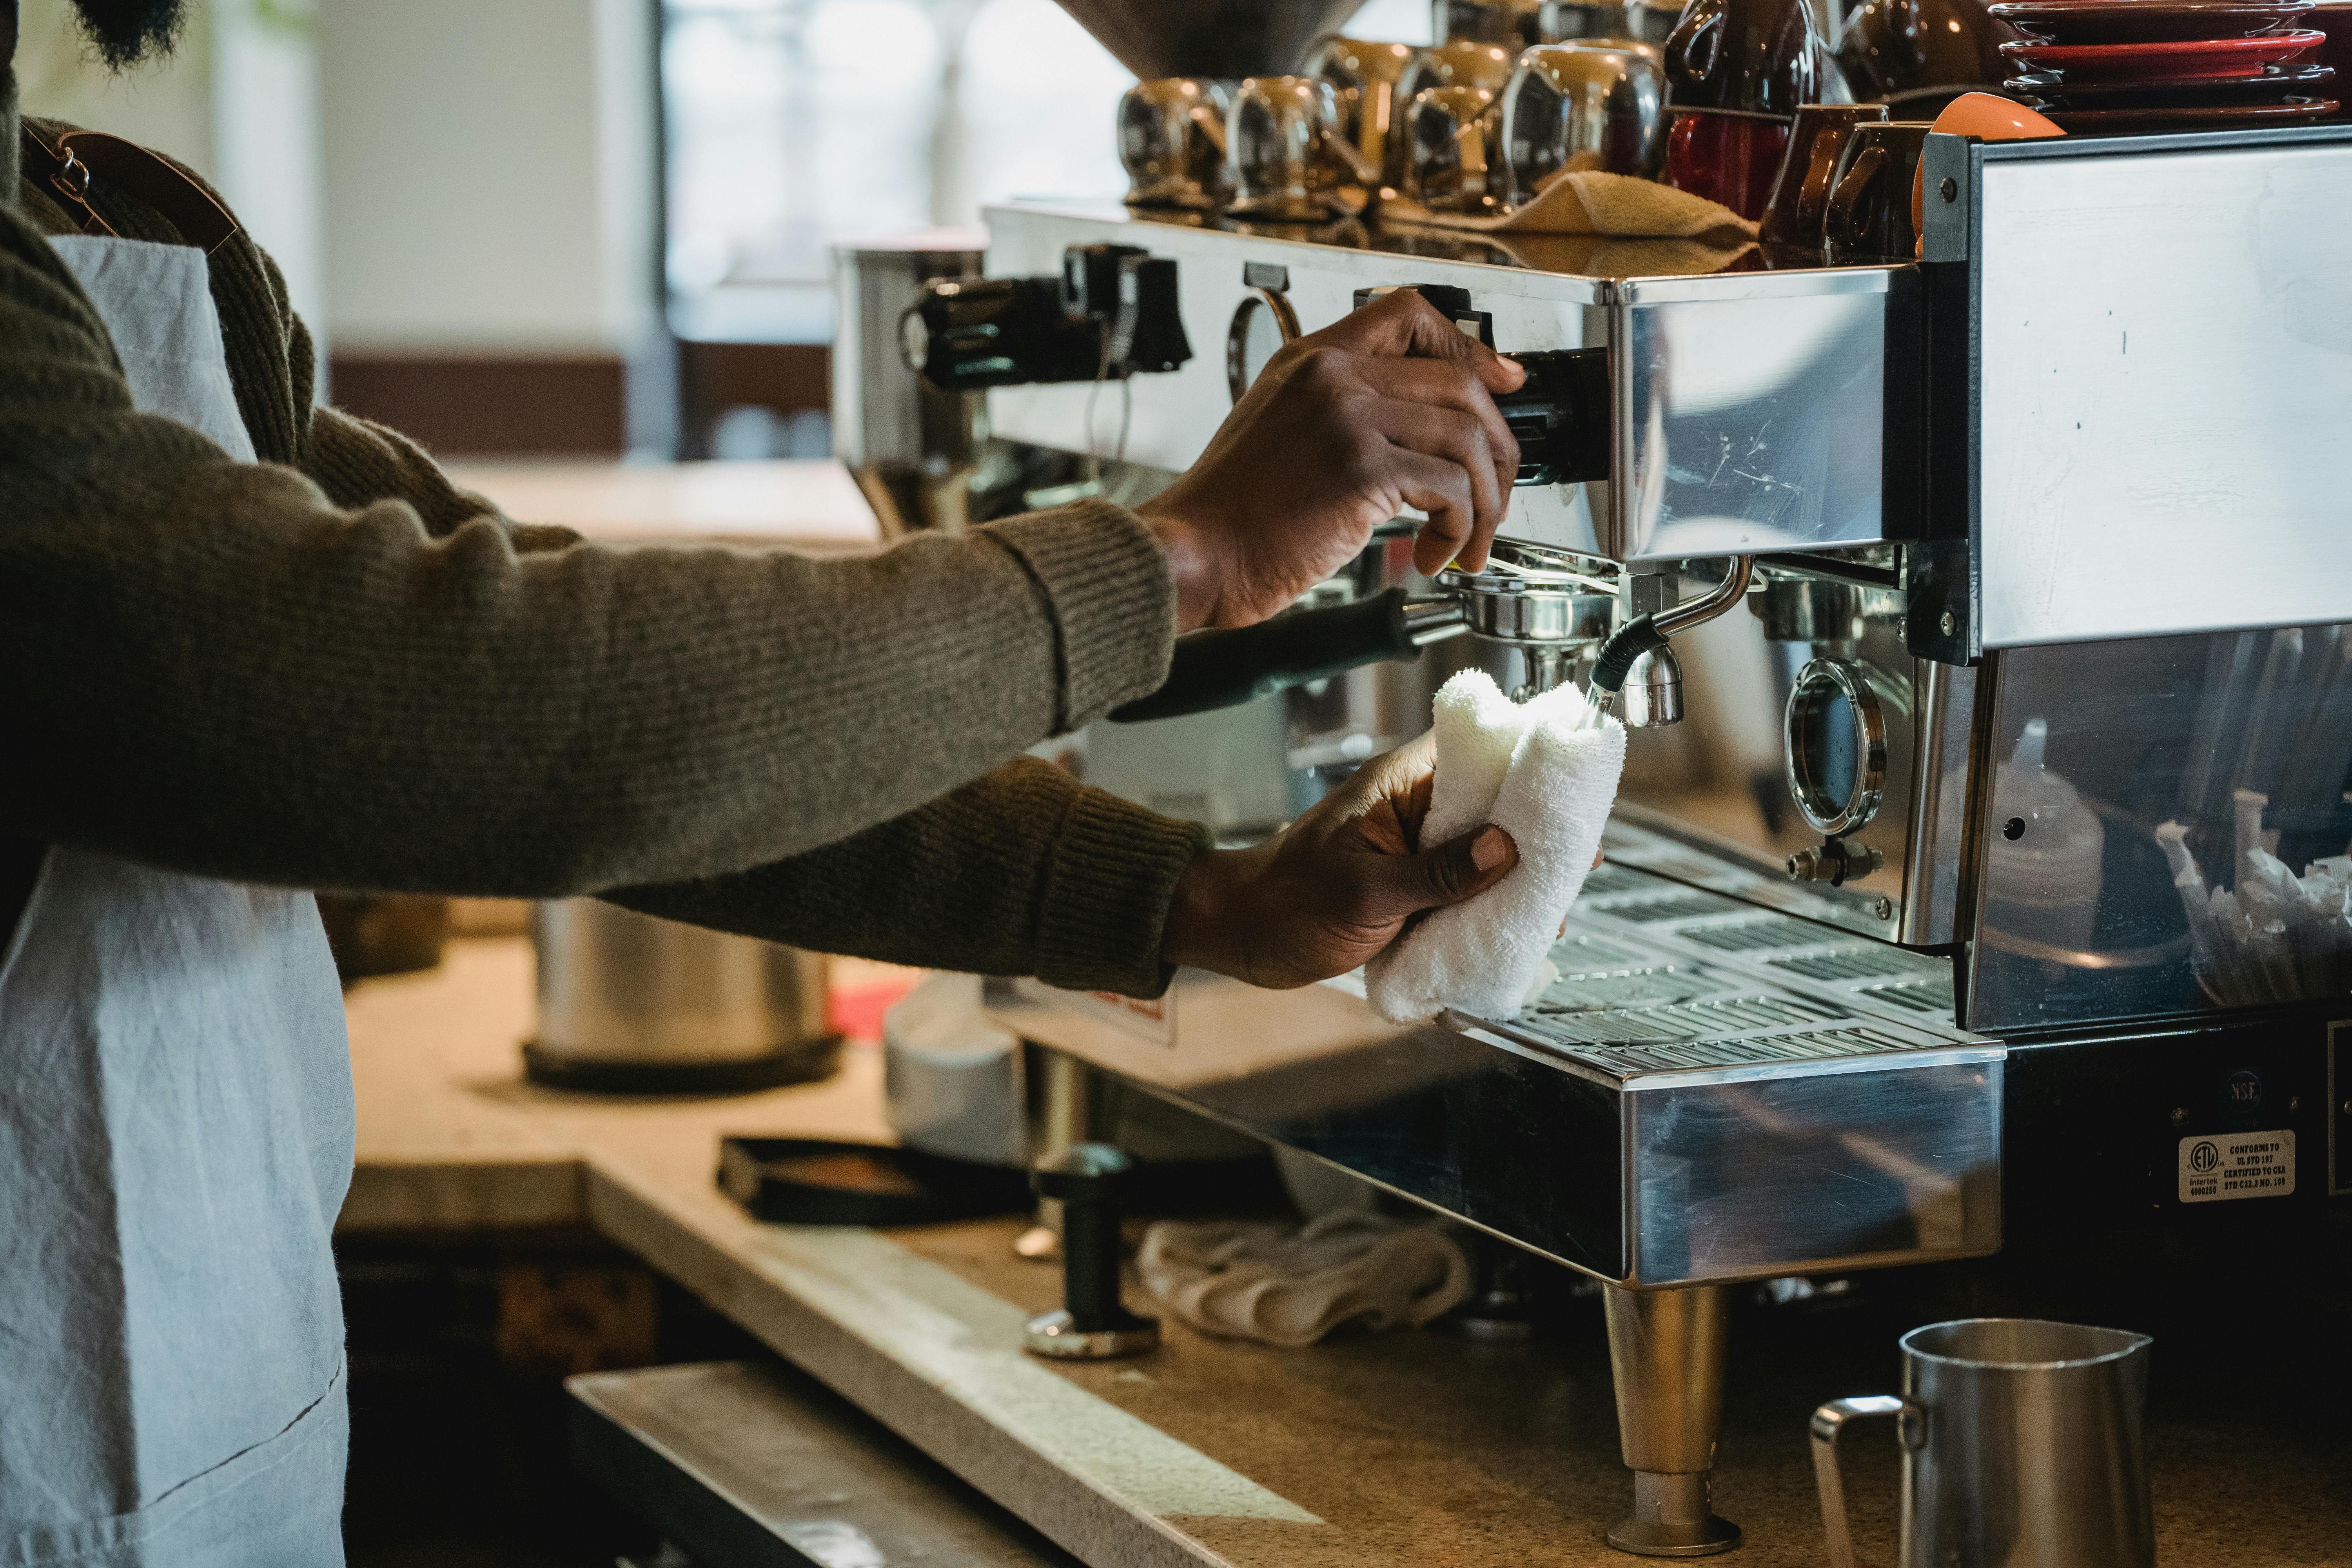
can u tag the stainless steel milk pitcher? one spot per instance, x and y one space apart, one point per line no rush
2021 1448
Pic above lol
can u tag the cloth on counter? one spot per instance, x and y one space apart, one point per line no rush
1685 232
1592 201
1546 773
1287 1285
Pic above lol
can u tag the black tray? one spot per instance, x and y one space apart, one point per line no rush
816 1181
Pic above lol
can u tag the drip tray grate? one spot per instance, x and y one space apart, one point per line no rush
1672 906
1848 963
1751 1051
1753 936
1682 1020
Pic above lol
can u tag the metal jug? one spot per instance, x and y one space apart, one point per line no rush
629 1003
2021 1448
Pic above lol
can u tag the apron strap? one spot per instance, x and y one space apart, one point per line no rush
67 167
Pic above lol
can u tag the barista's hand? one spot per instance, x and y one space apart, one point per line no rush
1390 408
1336 886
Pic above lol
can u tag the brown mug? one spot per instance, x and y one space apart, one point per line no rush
1454 162
1868 215
1800 192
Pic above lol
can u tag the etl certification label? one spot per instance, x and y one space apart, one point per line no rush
2226 1165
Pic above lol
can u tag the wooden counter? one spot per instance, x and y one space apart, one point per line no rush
1404 1448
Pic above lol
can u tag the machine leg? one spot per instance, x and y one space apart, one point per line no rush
1666 1348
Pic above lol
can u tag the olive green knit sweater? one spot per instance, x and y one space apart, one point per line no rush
332 668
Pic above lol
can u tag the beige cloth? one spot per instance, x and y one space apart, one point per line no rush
1286 1285
1630 227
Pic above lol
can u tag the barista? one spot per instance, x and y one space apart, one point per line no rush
247 645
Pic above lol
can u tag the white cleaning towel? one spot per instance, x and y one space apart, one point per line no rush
1545 773
1285 1285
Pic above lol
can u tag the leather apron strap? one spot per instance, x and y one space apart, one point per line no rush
66 169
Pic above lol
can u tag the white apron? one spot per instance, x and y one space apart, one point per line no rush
175 1139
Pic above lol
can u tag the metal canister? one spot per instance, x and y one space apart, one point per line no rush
632 1004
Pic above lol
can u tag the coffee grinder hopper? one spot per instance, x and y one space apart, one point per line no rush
1212 38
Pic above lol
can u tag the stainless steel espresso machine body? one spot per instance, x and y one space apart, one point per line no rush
1974 859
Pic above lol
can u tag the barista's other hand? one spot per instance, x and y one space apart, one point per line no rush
1390 408
1333 888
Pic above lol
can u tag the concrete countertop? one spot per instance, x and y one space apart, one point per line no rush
1404 1448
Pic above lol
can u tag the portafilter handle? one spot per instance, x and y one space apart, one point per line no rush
1223 669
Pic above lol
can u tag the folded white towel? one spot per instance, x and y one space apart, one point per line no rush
1546 773
1286 1285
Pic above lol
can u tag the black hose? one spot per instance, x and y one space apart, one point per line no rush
1627 643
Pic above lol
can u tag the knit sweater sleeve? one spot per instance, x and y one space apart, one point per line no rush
1024 871
247 671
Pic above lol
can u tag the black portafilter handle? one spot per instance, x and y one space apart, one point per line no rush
1221 670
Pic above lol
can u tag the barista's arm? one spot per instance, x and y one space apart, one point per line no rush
1026 871
211 666
1022 871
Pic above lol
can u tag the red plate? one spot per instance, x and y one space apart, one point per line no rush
2267 86
2147 21
2294 112
2182 58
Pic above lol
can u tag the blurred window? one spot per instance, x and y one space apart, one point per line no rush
791 123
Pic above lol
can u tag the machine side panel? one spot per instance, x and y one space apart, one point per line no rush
2167 353
1497 1134
1757 424
1781 1175
1750 406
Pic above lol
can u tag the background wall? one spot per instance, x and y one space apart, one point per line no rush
488 174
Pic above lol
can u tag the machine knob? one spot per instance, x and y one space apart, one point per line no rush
1834 861
1092 1324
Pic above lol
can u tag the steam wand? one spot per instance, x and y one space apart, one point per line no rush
1640 643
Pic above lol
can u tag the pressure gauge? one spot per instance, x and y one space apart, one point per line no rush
1834 742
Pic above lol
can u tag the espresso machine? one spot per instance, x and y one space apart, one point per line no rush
1979 875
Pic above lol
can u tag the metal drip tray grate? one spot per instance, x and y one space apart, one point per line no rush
1851 964
1672 906
1628 1057
1640 988
1577 955
1607 880
1681 1020
1932 996
1752 936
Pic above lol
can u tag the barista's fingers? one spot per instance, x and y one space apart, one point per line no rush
1451 386
1454 438
1447 874
1446 493
1403 322
1459 439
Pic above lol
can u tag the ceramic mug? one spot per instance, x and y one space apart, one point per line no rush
1800 195
1584 106
1171 141
1728 155
1368 76
1868 215
1455 158
1283 143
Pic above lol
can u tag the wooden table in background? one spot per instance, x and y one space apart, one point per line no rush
810 505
